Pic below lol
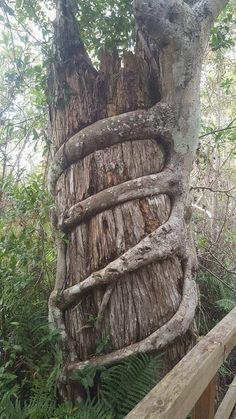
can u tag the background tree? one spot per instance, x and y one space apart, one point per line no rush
126 267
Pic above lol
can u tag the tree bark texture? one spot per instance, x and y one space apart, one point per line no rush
124 139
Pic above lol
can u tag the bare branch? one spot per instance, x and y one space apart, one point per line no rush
218 278
208 188
208 213
221 264
216 260
219 130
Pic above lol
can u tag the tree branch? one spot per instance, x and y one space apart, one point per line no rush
218 278
219 130
167 20
218 262
208 188
210 8
205 211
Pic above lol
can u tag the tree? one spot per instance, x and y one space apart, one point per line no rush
124 140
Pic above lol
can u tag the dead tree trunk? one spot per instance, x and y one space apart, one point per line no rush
124 140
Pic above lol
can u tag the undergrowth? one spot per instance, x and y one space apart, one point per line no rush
29 359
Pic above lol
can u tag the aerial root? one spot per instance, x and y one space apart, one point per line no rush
155 184
166 241
105 301
156 122
56 316
164 336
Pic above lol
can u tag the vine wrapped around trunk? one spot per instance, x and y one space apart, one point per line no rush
126 259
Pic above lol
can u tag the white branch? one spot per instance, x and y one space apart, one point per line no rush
208 213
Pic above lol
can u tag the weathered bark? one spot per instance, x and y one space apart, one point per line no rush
127 263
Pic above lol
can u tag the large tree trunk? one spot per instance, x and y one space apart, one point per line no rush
126 264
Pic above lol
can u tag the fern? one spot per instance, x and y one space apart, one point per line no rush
11 410
65 411
226 304
41 408
94 410
124 385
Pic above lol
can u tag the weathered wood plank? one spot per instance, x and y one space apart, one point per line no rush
233 416
178 392
205 406
227 403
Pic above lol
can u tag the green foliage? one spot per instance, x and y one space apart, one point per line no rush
87 376
94 410
216 300
104 343
124 385
221 37
120 387
226 304
27 259
42 408
106 24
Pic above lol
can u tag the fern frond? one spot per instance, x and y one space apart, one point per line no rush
12 409
94 410
226 304
125 384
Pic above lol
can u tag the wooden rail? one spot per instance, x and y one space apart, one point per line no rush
190 385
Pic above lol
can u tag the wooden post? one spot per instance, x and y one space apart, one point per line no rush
179 391
228 403
205 406
233 416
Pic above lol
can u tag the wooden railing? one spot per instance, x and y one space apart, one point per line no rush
191 385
